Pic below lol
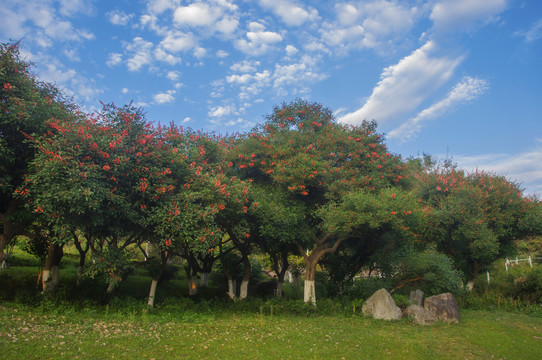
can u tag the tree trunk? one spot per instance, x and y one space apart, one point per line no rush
82 257
310 271
204 279
193 285
231 289
323 246
164 257
243 291
152 292
280 285
50 274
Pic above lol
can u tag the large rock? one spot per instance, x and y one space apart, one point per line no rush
416 298
444 307
420 315
381 306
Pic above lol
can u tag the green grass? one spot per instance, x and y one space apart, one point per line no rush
29 334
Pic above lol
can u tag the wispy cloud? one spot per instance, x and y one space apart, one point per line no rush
405 85
466 90
465 14
523 167
534 33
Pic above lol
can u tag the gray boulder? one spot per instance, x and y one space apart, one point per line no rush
444 307
416 298
420 316
381 306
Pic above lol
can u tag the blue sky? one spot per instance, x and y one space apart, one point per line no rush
456 78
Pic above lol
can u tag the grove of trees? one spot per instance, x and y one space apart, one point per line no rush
298 184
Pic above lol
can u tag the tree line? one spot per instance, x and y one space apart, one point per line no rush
299 183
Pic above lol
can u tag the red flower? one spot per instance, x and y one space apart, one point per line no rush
7 86
167 242
106 167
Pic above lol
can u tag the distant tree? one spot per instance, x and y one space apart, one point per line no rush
474 218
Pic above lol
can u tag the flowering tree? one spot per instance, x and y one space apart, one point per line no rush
25 105
472 218
97 175
319 164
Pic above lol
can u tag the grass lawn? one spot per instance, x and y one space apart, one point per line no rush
29 334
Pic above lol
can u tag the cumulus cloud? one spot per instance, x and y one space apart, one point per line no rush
466 90
258 40
157 7
173 75
465 14
221 111
118 17
164 97
290 13
245 66
405 85
140 51
295 78
217 15
177 41
368 24
114 59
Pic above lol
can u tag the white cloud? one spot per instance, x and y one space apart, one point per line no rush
176 41
114 59
222 54
369 24
245 66
141 53
259 41
291 50
405 85
162 55
464 14
221 111
72 54
533 34
216 15
200 52
295 78
157 7
125 91
196 14
289 12
524 167
118 17
173 75
164 97
466 90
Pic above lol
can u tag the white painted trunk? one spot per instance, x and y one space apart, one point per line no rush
290 277
470 285
244 289
204 279
55 277
310 293
46 280
152 292
193 286
231 289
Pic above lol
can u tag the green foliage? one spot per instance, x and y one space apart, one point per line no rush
427 270
112 262
520 282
